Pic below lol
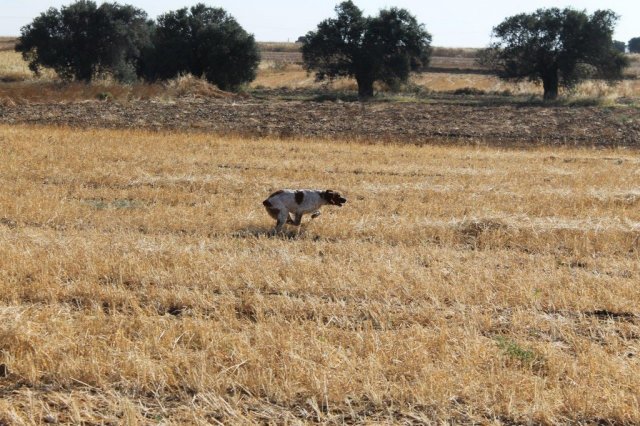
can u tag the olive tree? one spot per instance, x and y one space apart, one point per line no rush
203 41
82 40
556 47
620 46
382 48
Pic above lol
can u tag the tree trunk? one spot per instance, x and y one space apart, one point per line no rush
365 87
550 84
83 72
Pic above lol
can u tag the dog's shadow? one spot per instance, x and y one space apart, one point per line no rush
263 232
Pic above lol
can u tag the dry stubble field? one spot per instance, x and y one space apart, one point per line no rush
138 284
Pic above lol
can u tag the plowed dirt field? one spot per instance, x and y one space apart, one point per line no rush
508 124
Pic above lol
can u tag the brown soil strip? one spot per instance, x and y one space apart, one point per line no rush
403 122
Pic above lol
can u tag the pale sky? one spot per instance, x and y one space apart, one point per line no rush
455 23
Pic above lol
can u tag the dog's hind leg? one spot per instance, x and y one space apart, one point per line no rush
283 217
297 220
273 212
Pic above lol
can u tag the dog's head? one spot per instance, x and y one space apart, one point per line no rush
333 198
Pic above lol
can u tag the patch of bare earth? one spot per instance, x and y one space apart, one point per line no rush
410 122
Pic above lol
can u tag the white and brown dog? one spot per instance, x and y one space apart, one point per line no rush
281 203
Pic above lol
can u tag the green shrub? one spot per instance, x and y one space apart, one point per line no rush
83 40
202 41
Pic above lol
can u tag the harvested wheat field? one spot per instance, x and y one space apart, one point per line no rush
139 285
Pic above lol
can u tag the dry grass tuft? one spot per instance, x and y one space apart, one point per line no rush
458 284
634 66
105 90
190 86
14 69
7 102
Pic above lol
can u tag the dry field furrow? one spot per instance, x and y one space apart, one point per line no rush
138 282
500 124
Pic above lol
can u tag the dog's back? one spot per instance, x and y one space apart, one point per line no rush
295 201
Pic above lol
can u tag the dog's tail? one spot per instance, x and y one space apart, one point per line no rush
266 203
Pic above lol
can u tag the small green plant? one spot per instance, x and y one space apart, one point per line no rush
104 96
526 357
97 204
121 203
125 203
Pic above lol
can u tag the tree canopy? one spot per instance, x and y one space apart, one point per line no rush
82 40
203 41
382 48
620 46
557 47
634 45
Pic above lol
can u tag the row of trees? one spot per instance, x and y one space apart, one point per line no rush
83 40
633 45
553 46
558 47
